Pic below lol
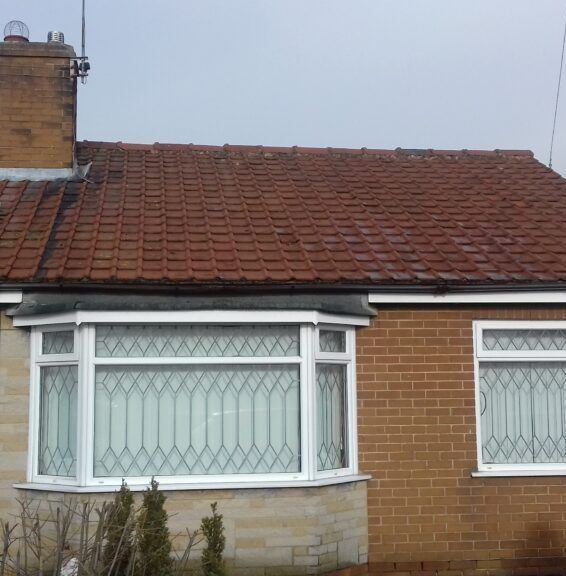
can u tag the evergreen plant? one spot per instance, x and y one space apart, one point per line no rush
212 528
153 556
119 533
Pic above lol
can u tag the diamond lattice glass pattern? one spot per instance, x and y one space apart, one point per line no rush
331 416
196 420
516 340
60 342
523 412
58 423
332 341
171 341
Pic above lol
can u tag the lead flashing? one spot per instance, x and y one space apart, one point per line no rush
35 174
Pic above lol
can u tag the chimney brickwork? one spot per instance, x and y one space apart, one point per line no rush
37 106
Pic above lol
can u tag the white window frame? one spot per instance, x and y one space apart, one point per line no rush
73 356
481 355
84 326
347 359
39 361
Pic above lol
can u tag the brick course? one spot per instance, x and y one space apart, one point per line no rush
417 437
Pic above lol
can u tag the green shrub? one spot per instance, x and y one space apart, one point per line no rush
212 528
118 548
154 545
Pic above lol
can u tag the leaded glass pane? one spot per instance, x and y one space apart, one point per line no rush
58 421
548 382
60 342
173 341
523 413
515 340
332 341
196 420
331 416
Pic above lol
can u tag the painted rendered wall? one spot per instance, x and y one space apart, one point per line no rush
417 437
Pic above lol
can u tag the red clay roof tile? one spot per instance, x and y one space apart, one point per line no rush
186 214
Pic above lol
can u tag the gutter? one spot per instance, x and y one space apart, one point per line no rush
392 292
542 293
438 289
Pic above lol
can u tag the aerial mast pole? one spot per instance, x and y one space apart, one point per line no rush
84 65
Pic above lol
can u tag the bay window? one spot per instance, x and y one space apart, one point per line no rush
191 402
521 396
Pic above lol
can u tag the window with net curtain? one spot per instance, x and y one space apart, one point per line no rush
521 395
185 401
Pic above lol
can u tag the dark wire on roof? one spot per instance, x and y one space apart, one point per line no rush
557 98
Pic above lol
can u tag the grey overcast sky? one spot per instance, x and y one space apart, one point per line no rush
344 73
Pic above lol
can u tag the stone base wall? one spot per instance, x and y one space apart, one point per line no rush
268 531
14 400
290 531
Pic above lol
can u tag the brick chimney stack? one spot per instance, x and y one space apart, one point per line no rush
37 109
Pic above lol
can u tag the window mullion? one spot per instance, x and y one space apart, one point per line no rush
86 406
308 398
352 407
91 378
82 404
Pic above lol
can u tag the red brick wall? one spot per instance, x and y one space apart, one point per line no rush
417 437
37 105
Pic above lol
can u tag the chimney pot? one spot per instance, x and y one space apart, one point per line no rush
16 31
55 36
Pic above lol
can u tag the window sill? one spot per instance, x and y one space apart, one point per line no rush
516 473
200 486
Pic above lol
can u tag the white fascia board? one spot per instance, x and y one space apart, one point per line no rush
556 297
192 317
10 297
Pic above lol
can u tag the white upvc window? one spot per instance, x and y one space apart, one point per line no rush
191 403
520 372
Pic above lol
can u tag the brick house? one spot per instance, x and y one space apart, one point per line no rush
360 354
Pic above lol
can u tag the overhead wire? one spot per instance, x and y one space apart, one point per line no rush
557 98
